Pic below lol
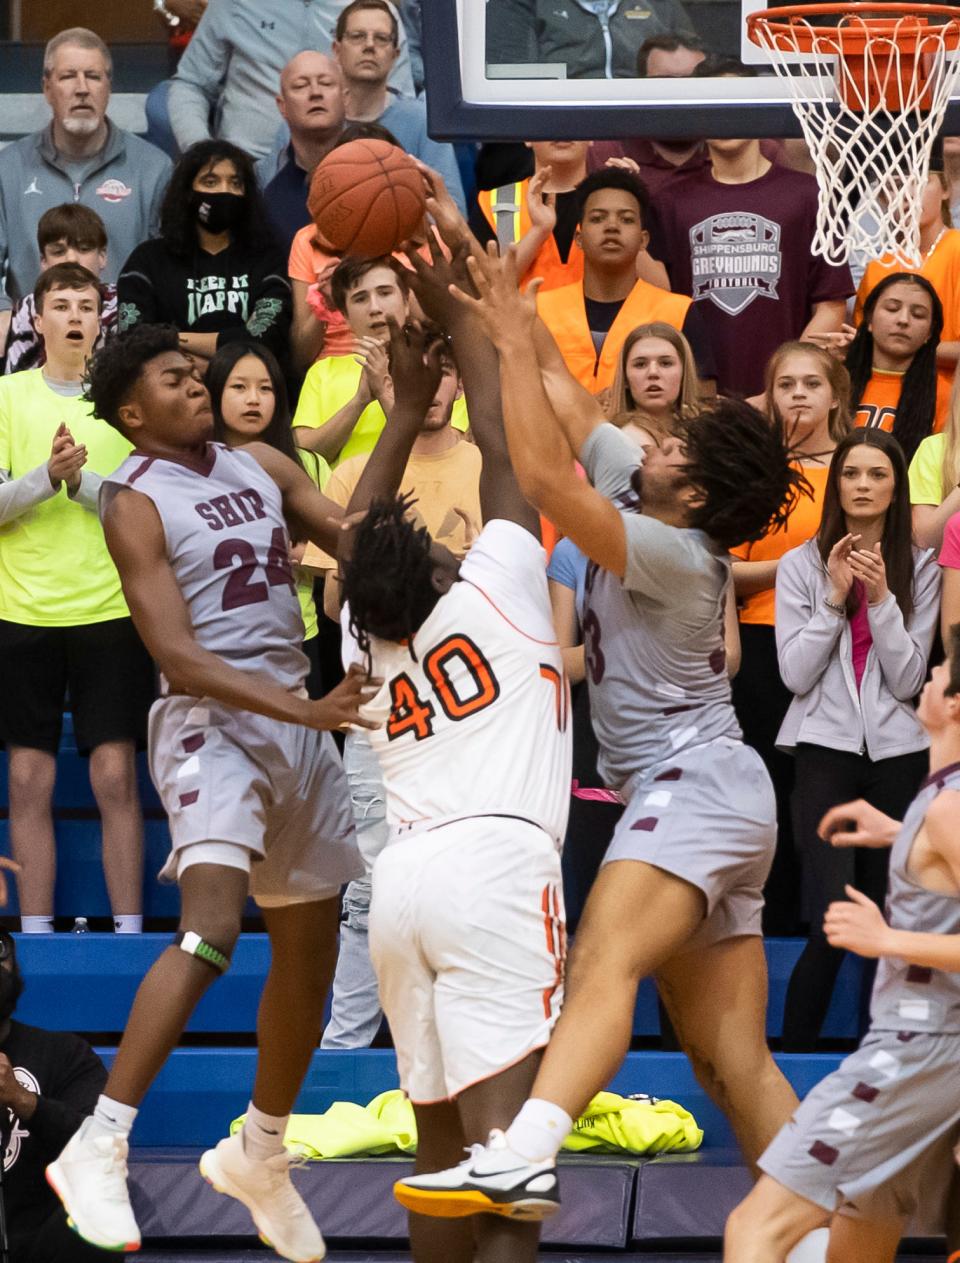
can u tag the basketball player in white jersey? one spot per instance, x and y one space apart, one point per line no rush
679 895
466 917
250 779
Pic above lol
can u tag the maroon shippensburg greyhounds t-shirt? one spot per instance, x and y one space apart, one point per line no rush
743 253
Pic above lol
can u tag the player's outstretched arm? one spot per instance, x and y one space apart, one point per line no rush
500 494
136 541
310 513
415 372
578 412
858 824
539 451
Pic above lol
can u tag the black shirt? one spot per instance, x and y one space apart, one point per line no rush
67 1076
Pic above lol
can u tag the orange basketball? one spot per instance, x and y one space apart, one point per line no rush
366 198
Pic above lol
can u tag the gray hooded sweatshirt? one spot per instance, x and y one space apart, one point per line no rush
228 79
124 183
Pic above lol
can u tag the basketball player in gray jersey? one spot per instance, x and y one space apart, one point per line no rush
249 776
679 895
879 1131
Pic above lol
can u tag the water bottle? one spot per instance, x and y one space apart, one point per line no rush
81 925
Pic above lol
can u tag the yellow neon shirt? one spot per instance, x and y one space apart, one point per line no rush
332 382
926 471
55 570
319 473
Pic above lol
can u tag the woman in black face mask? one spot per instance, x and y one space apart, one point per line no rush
215 271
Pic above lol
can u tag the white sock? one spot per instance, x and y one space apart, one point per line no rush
263 1134
36 925
113 1118
129 924
539 1130
812 1248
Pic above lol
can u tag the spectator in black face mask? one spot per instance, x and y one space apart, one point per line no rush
216 270
49 1082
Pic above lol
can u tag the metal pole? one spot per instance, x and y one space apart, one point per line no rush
16 20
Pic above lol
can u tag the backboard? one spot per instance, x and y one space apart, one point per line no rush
542 69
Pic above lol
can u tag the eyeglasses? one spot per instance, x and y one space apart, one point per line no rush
359 38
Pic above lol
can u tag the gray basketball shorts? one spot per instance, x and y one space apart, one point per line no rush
708 815
276 789
870 1137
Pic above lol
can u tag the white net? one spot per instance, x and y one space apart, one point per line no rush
869 118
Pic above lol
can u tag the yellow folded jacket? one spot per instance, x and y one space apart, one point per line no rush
611 1124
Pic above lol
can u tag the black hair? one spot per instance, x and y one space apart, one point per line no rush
278 434
917 406
664 44
365 131
178 226
717 66
896 544
114 370
388 581
613 178
744 467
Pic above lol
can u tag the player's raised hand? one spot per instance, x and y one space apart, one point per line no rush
858 824
443 210
340 708
506 313
431 282
857 926
414 366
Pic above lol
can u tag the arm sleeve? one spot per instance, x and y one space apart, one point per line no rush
826 282
950 549
902 649
925 481
610 461
88 492
59 1114
137 299
807 635
509 566
17 495
196 87
695 331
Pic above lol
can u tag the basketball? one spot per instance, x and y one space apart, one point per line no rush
366 198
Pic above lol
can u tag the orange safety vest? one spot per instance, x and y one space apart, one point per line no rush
505 209
564 313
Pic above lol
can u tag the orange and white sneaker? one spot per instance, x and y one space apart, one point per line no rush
492 1181
266 1189
90 1178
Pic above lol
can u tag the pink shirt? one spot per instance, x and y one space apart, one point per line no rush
860 632
950 550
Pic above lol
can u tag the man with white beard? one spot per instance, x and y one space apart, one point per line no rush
80 156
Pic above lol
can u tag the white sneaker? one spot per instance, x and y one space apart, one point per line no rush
265 1188
492 1181
90 1178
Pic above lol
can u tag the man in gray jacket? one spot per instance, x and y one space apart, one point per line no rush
79 157
228 79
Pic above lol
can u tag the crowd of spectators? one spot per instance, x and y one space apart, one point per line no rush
672 271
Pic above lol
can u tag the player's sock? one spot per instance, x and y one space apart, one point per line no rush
113 1118
539 1130
263 1134
129 924
36 925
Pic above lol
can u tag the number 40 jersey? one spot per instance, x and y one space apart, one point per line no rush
475 720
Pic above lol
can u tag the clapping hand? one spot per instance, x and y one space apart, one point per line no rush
857 926
867 565
67 458
839 568
375 380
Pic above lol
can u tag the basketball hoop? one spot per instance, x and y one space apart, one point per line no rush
870 93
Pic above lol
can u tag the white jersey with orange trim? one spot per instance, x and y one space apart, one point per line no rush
476 718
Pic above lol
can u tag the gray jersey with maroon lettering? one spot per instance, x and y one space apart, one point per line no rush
655 654
911 997
228 546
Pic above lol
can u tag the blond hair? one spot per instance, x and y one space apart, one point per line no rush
688 401
950 466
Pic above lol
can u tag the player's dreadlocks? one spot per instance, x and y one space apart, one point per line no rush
388 580
742 463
